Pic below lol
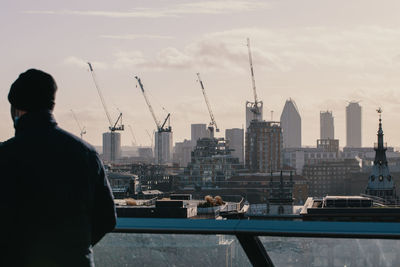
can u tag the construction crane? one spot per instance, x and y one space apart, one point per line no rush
161 127
133 136
117 125
212 123
151 138
82 130
255 106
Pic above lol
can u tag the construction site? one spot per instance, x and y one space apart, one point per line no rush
207 160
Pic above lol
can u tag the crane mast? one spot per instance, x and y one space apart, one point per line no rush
213 123
158 124
133 136
255 109
160 127
82 130
150 137
112 126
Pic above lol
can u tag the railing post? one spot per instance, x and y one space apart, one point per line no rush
254 250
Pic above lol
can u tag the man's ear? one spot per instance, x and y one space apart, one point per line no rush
16 113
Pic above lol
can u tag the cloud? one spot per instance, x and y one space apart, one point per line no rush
178 10
135 36
124 59
358 54
81 63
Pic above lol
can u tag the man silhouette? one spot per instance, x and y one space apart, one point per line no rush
56 202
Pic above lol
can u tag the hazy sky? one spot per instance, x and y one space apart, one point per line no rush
319 53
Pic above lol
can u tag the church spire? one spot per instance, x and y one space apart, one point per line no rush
380 181
380 147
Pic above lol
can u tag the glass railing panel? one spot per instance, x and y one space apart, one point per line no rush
126 249
290 251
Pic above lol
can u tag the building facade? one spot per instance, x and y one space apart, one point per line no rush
291 125
111 146
235 138
329 145
211 163
298 157
329 177
163 147
198 131
264 147
183 152
327 127
353 125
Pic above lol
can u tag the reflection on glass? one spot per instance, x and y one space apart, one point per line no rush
332 252
118 249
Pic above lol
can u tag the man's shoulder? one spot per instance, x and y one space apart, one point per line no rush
7 151
7 145
75 141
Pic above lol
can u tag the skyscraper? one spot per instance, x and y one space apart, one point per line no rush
327 128
235 138
291 125
163 140
198 131
353 125
111 146
264 146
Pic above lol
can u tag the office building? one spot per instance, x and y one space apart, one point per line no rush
353 125
291 125
111 146
327 128
264 147
235 139
182 152
329 145
296 158
198 131
329 177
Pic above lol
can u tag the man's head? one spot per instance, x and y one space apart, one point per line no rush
34 90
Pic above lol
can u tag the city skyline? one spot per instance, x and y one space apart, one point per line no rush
354 56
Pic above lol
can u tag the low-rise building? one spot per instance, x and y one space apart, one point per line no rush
329 177
123 184
211 163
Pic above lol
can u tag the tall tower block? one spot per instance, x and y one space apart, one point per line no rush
353 125
291 125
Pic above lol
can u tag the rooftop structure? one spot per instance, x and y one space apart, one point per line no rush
348 208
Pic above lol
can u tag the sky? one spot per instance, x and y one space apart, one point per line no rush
321 54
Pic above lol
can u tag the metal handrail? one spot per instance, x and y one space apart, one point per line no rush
372 230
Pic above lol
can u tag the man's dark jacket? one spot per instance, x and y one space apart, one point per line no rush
55 199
